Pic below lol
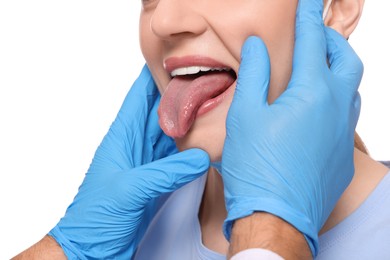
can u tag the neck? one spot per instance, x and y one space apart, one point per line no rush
212 213
368 174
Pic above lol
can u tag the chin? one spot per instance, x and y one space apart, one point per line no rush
208 132
210 139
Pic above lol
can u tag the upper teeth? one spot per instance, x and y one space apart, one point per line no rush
194 70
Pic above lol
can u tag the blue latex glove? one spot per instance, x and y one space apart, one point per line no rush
293 158
117 198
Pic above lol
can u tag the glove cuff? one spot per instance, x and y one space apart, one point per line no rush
69 249
279 209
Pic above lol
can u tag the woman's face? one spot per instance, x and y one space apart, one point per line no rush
177 34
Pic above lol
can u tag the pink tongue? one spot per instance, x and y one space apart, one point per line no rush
183 97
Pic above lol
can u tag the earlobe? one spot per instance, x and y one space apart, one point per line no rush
344 15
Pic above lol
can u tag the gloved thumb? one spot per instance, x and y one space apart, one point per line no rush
253 76
344 61
171 173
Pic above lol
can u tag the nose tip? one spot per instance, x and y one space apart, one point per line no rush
173 18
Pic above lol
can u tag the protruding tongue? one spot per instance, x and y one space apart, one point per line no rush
183 97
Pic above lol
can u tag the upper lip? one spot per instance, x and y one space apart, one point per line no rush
173 63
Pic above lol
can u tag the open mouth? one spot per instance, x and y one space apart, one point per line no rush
193 70
192 92
201 72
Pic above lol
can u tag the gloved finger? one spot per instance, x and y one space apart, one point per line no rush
140 99
344 62
310 42
157 144
152 141
171 173
164 146
356 109
253 76
123 146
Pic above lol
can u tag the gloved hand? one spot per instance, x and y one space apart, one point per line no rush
293 158
117 198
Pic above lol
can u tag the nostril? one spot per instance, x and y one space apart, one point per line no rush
176 20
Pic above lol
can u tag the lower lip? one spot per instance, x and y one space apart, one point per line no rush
214 102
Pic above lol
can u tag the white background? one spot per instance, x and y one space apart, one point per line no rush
65 67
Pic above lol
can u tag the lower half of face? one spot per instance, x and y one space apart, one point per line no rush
215 31
208 131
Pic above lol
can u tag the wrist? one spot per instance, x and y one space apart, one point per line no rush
46 248
267 231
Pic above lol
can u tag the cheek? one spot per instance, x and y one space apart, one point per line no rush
280 44
281 56
144 34
274 22
151 50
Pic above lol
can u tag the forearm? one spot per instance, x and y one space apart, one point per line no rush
47 248
263 230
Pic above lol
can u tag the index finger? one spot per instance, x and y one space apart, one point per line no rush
135 130
310 40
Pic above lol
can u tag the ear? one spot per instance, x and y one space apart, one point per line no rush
344 15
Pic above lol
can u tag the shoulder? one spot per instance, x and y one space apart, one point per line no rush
386 163
365 233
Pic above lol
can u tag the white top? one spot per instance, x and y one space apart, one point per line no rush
175 233
256 253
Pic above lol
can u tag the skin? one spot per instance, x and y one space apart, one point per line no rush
164 33
263 230
217 29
